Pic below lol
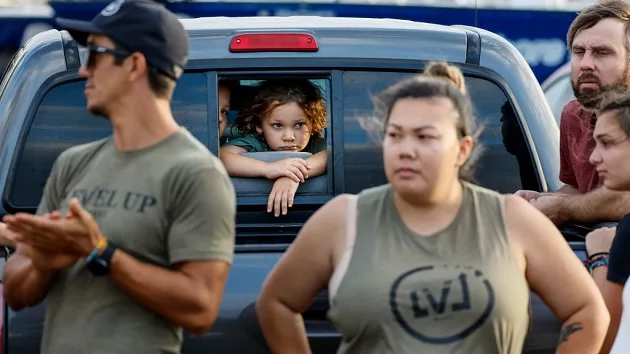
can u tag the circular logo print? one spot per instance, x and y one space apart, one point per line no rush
441 304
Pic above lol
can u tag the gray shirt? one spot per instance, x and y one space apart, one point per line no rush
459 290
168 203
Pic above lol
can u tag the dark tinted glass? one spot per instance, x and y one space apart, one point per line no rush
61 121
505 165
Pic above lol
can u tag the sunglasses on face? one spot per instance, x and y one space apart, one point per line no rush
95 51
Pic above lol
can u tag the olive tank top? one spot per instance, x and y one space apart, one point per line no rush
459 290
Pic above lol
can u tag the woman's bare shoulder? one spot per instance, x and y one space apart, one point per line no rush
333 213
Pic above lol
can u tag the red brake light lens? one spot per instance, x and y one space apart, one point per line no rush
274 42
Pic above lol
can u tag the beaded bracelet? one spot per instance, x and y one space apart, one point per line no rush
96 249
598 254
594 258
596 262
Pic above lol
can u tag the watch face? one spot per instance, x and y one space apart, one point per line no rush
98 266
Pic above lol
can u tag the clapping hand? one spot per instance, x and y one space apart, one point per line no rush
52 241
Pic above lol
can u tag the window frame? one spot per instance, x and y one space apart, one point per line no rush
299 200
213 111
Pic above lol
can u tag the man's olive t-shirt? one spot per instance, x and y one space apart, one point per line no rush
168 203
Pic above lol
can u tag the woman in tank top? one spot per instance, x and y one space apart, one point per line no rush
608 248
430 263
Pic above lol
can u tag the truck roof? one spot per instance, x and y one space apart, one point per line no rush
312 22
338 38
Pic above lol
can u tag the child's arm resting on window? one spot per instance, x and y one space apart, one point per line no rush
284 189
318 163
243 166
240 166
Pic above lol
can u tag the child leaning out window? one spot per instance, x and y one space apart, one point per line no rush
284 115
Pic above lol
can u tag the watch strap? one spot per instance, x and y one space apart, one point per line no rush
96 250
108 253
99 265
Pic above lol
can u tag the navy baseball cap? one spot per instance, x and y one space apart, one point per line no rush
144 26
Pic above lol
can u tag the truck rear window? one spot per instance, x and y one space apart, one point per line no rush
354 156
505 164
61 121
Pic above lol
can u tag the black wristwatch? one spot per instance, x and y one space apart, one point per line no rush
99 265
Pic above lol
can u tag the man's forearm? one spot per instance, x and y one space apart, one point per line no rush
24 285
599 205
567 189
171 294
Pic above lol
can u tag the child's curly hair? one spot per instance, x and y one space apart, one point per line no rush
273 93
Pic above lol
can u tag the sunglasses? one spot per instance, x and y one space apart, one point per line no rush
95 51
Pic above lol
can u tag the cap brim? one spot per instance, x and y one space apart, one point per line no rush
79 30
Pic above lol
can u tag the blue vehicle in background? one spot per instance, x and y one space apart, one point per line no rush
540 35
17 24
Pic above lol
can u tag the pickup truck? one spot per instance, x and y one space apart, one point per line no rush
42 112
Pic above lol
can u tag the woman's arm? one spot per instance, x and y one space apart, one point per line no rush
597 242
612 294
611 278
288 292
555 273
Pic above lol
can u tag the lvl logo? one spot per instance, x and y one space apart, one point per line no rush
441 304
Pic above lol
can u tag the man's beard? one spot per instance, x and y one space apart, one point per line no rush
591 98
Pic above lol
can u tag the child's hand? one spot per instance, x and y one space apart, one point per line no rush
294 168
281 196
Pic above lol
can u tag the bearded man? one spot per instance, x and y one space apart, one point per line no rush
599 41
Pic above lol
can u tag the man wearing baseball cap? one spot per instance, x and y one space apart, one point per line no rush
134 235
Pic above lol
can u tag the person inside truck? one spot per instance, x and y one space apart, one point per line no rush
226 90
599 41
430 263
608 248
283 115
224 107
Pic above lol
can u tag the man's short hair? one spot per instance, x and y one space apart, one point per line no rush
591 15
161 85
